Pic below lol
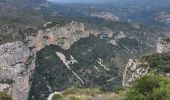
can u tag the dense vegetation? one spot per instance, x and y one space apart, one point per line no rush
160 62
51 71
87 91
150 87
57 97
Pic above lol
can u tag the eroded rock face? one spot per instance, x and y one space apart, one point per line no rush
15 66
121 35
163 17
105 15
17 59
163 45
133 71
63 36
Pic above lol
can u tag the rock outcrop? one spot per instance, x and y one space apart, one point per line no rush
163 45
16 63
134 68
17 59
163 17
63 36
133 71
105 15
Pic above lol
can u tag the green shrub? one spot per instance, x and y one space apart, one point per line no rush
57 97
160 62
4 96
73 98
117 89
79 91
71 90
150 87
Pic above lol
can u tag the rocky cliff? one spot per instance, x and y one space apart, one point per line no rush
105 15
71 50
163 45
16 63
63 36
163 17
133 71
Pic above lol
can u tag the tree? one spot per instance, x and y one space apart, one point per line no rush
57 97
150 87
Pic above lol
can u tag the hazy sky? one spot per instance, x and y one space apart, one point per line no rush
90 1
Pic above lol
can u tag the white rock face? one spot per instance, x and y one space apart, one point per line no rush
118 37
105 15
13 57
163 17
132 72
163 45
17 61
136 26
63 36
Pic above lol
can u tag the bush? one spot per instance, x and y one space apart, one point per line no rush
4 96
57 97
117 89
79 91
71 90
150 87
159 62
73 98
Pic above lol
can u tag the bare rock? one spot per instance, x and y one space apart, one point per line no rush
16 64
105 15
133 70
64 36
163 45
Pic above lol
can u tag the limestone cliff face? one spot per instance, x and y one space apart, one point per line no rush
63 36
133 70
163 45
15 67
17 59
105 15
163 17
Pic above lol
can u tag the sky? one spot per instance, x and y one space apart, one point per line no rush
102 1
83 1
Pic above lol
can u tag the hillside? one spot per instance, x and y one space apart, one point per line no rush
83 51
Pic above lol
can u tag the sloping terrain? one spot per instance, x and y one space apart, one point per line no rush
46 47
85 64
